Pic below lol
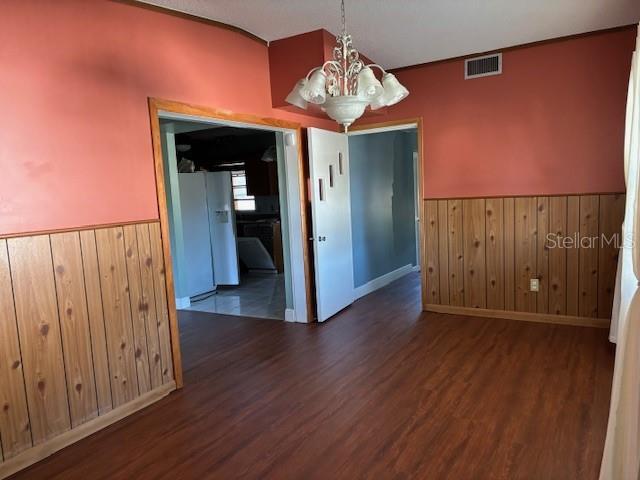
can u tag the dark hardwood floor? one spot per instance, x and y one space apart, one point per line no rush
382 391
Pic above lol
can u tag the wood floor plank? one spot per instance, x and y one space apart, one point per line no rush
380 391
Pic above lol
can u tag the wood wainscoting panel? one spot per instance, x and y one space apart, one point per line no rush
475 289
611 216
557 257
443 251
588 270
162 309
96 320
494 211
525 252
573 256
484 252
456 253
74 326
84 334
138 309
15 432
431 251
117 314
34 292
149 303
542 255
509 254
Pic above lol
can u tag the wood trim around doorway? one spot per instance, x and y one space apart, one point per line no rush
417 121
155 107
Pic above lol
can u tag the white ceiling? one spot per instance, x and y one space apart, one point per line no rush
397 33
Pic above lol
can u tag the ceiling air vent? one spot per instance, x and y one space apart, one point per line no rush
483 66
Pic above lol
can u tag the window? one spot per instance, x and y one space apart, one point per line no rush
242 201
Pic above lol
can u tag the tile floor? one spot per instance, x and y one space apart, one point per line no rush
258 295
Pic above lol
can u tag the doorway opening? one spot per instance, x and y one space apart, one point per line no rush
366 202
227 219
385 203
234 216
291 188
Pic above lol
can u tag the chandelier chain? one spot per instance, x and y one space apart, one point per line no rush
344 18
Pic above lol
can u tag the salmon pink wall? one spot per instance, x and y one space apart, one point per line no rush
552 123
75 142
290 59
75 145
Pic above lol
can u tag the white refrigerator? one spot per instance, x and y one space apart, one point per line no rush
209 232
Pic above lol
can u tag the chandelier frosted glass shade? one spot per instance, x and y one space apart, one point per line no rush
394 91
295 96
315 89
345 86
369 87
378 102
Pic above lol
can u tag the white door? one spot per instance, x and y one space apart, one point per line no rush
198 272
331 213
222 224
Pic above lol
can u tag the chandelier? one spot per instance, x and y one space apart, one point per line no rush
345 86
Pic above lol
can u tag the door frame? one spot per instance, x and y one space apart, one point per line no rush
158 107
402 124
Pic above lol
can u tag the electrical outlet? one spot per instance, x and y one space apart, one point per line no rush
534 285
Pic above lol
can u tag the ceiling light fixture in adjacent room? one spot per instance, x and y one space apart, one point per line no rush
345 86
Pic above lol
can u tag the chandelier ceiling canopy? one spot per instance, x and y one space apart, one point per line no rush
345 86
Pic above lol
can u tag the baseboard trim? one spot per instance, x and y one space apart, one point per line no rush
43 450
521 316
289 315
381 281
183 302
